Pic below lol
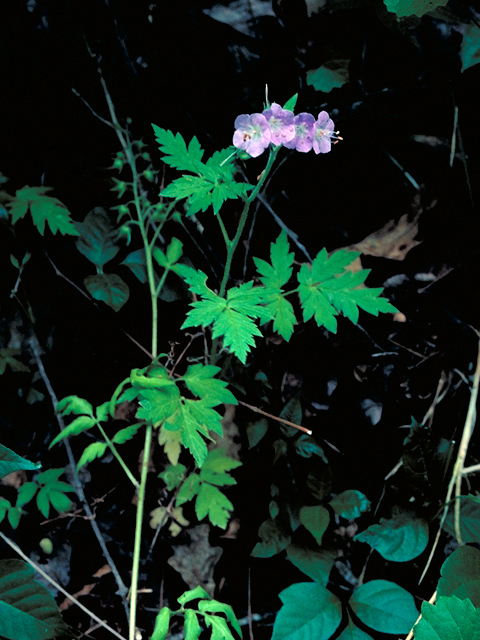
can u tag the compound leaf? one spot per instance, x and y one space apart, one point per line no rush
200 380
176 153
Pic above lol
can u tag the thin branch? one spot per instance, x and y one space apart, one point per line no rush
122 589
59 587
269 415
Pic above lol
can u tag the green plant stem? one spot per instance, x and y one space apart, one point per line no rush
113 449
232 244
162 282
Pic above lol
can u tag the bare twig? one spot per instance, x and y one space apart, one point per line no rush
270 415
59 587
122 589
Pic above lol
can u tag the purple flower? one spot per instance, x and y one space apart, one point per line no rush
281 123
304 130
323 133
252 134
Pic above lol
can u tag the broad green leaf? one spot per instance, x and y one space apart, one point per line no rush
94 450
125 434
200 380
469 519
156 405
315 563
174 251
59 501
43 209
449 619
384 606
192 627
316 520
162 622
193 594
5 507
171 442
331 75
109 288
43 502
14 515
137 263
214 606
212 502
10 461
82 423
274 539
27 609
173 475
470 49
292 412
255 431
98 237
309 611
306 446
352 632
460 573
74 404
400 539
413 7
350 504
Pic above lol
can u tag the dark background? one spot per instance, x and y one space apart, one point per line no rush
172 64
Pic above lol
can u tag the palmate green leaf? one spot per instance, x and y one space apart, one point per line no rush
212 502
109 288
43 209
98 237
449 618
413 7
171 442
308 611
200 380
10 461
350 504
460 573
216 466
185 419
469 519
176 153
231 317
384 606
156 405
400 539
27 609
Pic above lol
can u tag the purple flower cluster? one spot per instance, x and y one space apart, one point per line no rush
253 133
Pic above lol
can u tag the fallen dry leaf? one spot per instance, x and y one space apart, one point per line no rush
196 561
393 241
102 571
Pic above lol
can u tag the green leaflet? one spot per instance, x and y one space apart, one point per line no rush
308 611
43 209
469 519
413 7
331 75
213 181
137 264
98 237
10 461
52 492
384 606
232 318
400 539
460 573
27 609
109 288
350 504
352 632
470 49
448 618
327 289
316 519
94 450
273 277
274 539
314 562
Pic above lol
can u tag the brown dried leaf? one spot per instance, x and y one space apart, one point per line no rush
392 241
196 562
102 571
